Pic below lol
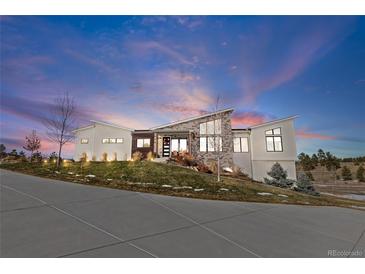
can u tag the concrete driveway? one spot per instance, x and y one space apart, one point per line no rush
48 218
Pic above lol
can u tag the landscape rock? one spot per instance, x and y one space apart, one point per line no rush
264 193
90 176
228 169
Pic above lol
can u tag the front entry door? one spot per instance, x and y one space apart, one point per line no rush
166 147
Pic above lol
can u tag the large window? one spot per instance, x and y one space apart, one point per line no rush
274 142
143 143
211 127
84 141
178 145
240 144
208 139
210 143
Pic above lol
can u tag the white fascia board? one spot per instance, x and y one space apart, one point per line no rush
192 118
111 125
274 122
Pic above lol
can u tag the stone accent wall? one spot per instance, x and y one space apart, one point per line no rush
226 134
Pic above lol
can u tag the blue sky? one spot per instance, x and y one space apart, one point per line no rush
143 71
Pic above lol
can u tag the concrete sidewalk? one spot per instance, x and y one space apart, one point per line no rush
48 218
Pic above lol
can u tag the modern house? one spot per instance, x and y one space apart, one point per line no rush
254 149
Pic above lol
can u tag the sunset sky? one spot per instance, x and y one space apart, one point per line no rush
144 71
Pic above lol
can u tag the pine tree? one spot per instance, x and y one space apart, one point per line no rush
2 151
346 173
360 174
32 143
314 160
321 157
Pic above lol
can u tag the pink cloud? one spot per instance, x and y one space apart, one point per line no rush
247 119
304 134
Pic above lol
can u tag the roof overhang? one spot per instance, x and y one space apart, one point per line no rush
192 118
274 122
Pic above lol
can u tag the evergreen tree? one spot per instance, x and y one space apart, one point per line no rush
2 151
321 157
346 173
279 177
314 160
305 185
360 174
305 161
13 153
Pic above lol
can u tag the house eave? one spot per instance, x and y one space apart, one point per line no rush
192 118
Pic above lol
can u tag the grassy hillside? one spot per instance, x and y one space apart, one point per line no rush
159 178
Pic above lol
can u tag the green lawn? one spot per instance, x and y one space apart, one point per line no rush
174 180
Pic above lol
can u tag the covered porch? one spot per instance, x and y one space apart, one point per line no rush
170 141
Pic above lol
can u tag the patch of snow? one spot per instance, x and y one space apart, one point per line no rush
70 173
283 195
178 187
198 189
57 172
77 175
109 180
264 193
228 169
223 189
90 176
167 186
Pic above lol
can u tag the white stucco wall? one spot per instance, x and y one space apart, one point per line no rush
243 159
263 160
95 148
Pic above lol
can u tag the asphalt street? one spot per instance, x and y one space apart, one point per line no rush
49 218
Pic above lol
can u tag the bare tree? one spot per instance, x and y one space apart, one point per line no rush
216 140
60 122
32 143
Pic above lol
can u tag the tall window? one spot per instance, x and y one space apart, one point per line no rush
240 144
274 142
143 143
211 127
209 141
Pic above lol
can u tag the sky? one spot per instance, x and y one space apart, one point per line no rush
142 71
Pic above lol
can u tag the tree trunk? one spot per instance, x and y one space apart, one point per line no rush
59 157
218 169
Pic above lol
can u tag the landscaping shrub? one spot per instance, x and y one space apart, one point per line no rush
137 156
346 173
183 158
203 168
360 174
279 177
305 185
309 175
150 156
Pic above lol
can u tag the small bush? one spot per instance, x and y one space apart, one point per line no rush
203 168
151 156
346 173
360 174
309 175
137 156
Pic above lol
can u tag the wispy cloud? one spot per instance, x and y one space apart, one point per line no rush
248 118
315 40
305 134
147 47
